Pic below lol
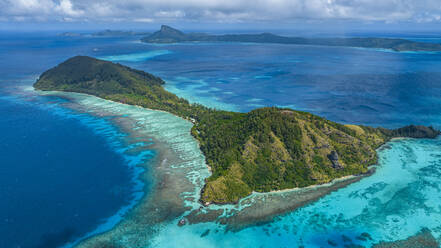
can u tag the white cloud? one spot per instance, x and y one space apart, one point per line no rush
66 7
147 20
170 14
26 7
102 9
39 10
222 10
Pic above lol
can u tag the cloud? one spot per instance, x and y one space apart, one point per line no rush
39 10
66 8
221 10
147 20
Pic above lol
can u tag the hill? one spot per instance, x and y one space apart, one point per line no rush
263 150
170 35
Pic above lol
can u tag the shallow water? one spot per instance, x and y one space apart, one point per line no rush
136 57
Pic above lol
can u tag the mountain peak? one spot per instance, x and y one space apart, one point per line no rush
165 27
168 29
166 34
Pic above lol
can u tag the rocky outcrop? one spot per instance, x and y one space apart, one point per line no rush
333 157
166 34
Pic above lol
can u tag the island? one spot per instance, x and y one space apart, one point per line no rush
118 33
170 35
105 33
264 150
70 34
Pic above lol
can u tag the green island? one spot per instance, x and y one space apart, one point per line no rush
170 35
263 150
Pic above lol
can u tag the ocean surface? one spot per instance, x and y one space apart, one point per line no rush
64 173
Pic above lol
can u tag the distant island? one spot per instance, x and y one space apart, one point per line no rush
70 34
105 33
109 32
170 35
263 150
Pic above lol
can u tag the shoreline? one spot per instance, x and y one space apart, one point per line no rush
311 186
174 195
260 208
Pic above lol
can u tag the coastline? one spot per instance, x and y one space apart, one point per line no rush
311 186
178 178
261 208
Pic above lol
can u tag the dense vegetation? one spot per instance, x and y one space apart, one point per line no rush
263 150
171 35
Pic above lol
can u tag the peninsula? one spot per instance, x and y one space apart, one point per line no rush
263 150
170 35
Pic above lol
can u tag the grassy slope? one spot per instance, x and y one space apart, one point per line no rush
263 150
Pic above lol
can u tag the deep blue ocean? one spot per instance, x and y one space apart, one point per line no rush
60 173
58 177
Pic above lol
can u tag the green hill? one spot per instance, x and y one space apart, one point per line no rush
113 82
263 150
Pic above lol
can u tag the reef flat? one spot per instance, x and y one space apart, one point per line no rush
423 239
260 208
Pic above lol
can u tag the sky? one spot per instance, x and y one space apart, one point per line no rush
138 14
